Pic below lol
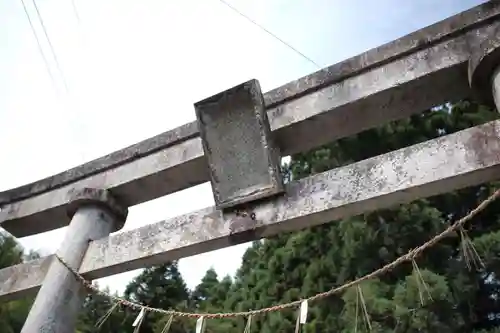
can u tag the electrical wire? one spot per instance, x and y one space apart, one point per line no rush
271 34
75 11
40 49
50 46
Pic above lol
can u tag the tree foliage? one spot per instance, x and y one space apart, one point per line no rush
12 314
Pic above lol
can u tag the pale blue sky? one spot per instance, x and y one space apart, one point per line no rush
134 69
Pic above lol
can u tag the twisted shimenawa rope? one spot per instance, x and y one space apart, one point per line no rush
410 256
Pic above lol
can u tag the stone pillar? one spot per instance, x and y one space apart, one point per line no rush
95 214
496 87
484 69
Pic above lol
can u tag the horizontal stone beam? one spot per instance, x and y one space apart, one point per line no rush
24 279
391 82
466 158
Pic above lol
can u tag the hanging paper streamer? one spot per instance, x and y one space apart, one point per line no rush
200 325
139 318
303 312
302 317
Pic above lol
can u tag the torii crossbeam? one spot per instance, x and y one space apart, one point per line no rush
456 58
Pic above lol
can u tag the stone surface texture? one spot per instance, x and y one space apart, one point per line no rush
243 160
466 158
82 197
386 83
56 306
24 279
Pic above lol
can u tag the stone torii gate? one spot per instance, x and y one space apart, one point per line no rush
236 144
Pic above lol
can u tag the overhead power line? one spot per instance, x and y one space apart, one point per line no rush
75 11
271 34
50 45
40 49
54 55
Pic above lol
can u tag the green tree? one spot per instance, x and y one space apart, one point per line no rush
206 290
12 314
160 287
300 264
10 251
438 293
209 297
99 314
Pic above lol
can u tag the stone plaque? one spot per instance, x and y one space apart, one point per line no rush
242 157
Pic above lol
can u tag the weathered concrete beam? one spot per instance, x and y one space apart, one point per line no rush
466 158
147 178
24 279
421 39
403 77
